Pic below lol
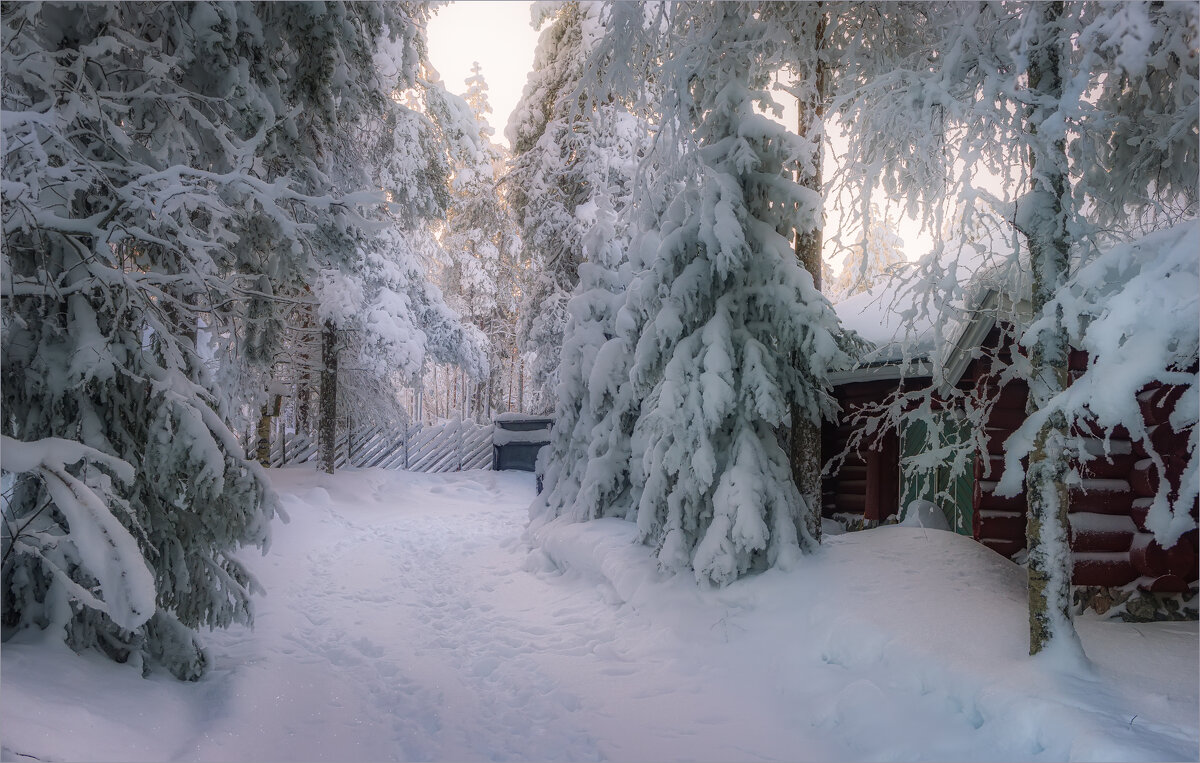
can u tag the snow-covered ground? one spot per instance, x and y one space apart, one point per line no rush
407 619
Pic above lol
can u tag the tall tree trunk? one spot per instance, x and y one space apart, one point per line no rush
521 387
304 380
303 407
1042 216
491 387
263 450
806 456
327 436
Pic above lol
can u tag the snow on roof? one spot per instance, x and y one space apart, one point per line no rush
876 315
930 304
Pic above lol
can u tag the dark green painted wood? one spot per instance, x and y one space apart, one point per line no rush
950 489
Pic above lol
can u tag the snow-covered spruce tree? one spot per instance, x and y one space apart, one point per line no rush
587 376
334 68
408 319
732 308
123 166
385 161
335 91
549 133
588 451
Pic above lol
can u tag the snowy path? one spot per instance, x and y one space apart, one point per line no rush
406 619
395 648
417 634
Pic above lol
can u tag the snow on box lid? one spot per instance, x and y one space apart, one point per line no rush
521 428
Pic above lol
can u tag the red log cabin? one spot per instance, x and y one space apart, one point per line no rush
1111 545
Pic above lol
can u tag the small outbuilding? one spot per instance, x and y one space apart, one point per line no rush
516 440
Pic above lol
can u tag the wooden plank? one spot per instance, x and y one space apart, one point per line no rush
360 443
380 441
480 457
434 453
389 447
426 457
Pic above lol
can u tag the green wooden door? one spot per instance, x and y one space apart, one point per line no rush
928 469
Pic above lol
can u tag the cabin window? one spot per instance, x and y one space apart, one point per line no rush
937 465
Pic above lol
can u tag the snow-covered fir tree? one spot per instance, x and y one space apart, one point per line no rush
408 321
194 188
586 472
123 168
589 378
587 465
727 307
374 317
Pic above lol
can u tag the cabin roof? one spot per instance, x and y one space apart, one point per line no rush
914 331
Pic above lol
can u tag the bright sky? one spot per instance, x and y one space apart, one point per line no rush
497 34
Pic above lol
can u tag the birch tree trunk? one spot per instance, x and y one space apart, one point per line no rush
327 436
805 445
1042 217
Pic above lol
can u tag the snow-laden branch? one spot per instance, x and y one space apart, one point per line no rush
95 539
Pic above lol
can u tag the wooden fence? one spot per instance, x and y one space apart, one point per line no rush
450 447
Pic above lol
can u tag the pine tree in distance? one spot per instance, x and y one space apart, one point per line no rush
549 134
481 242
